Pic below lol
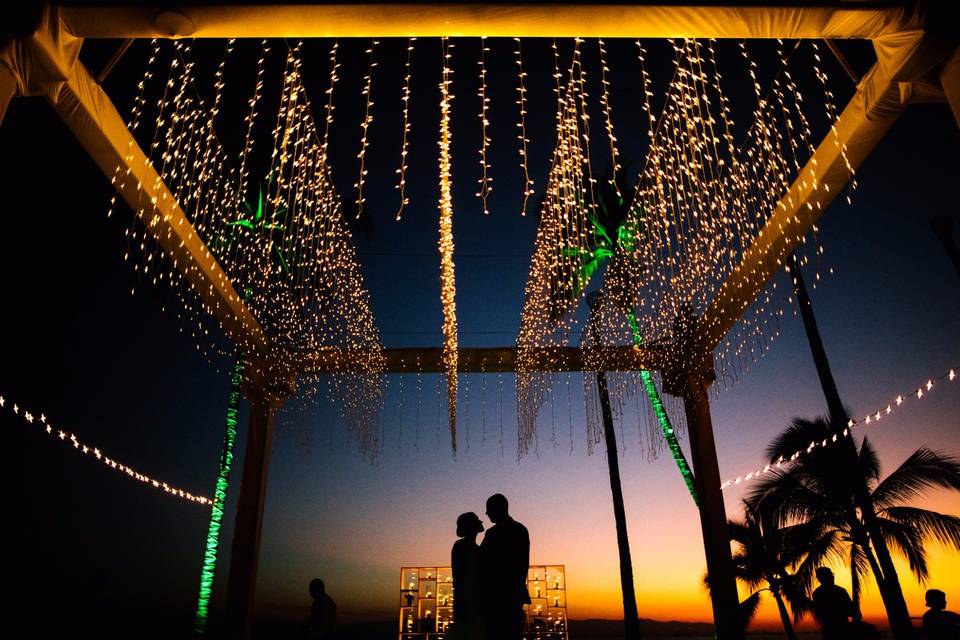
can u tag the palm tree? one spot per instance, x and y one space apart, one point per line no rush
890 591
820 490
765 551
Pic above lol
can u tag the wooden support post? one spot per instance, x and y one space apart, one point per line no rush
713 514
691 381
264 400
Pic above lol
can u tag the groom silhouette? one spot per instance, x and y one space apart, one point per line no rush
505 559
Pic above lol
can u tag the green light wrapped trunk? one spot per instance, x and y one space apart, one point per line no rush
662 416
219 500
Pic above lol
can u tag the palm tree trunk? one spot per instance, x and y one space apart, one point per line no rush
220 496
631 619
784 616
889 584
877 572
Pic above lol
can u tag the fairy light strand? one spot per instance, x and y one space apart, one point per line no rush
328 118
486 180
365 127
608 118
405 147
522 125
44 424
447 281
918 393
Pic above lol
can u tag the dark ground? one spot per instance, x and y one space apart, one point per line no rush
579 630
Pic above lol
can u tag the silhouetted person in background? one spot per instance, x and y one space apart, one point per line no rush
832 607
468 623
505 554
938 623
323 612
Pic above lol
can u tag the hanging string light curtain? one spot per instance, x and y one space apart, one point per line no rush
555 285
273 222
314 267
706 191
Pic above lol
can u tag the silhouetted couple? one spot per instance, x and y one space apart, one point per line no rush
490 580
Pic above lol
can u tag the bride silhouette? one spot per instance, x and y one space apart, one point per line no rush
468 623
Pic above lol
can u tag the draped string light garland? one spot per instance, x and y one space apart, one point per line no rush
278 231
40 421
554 285
920 392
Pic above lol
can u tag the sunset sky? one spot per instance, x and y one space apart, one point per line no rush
115 369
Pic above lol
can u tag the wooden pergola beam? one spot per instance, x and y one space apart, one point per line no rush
92 118
488 360
640 20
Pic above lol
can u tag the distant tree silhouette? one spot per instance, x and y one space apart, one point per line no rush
764 553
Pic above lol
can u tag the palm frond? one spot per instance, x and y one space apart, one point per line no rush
924 469
797 598
943 528
827 549
859 571
908 541
796 437
748 609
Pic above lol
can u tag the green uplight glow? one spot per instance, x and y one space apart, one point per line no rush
219 499
615 229
662 416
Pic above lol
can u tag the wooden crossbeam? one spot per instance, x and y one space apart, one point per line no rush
639 20
498 359
92 118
